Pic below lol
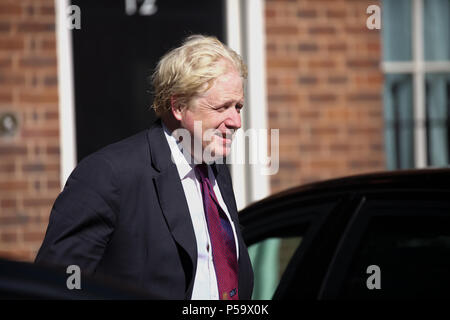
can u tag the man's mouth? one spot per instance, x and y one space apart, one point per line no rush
226 138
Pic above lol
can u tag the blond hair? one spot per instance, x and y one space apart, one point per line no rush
191 69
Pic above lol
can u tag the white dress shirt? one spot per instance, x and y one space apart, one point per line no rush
205 282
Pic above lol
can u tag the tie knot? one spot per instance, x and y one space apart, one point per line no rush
202 171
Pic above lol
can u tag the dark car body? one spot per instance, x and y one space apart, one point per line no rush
391 227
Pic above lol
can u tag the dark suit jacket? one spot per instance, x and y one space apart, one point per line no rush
123 213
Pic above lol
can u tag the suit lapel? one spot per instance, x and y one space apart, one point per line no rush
173 201
226 189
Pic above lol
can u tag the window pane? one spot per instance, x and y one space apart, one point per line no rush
399 121
412 253
396 30
437 29
272 257
437 107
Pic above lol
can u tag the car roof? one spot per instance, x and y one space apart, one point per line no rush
420 179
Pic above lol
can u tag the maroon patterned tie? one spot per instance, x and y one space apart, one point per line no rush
222 239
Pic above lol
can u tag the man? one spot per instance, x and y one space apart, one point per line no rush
155 210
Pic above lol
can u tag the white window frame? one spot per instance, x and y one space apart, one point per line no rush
246 35
418 67
67 137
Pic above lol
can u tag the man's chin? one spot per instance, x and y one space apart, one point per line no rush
217 154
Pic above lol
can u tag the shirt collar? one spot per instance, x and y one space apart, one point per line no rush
184 165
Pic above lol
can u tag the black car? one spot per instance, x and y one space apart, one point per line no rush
375 236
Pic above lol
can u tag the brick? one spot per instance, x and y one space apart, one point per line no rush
51 115
53 150
13 185
5 62
38 202
322 30
337 79
308 115
363 63
11 44
282 63
282 97
281 30
289 165
49 44
307 13
7 167
307 80
47 10
341 14
40 133
319 64
5 27
308 47
339 147
53 184
11 79
33 167
8 236
10 9
35 27
337 47
324 131
309 147
5 97
270 13
51 81
364 97
8 203
37 62
325 97
13 150
33 236
39 97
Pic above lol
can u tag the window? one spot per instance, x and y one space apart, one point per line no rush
276 233
409 241
416 54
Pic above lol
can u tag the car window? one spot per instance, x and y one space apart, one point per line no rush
269 259
275 234
411 255
396 249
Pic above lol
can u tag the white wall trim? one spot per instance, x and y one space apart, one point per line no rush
246 35
234 41
255 47
66 92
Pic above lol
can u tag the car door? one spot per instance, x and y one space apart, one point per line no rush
291 241
397 246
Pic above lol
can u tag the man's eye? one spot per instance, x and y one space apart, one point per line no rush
239 107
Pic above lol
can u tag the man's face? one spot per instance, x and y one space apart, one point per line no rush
218 112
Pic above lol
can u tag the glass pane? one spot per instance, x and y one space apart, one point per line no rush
396 29
437 29
399 121
271 257
437 107
413 256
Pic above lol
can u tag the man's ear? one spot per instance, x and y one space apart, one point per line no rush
175 108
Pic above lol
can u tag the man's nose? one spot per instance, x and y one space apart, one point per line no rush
233 120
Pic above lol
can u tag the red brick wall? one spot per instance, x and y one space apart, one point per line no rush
29 160
324 89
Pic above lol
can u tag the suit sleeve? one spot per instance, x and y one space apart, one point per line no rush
82 218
